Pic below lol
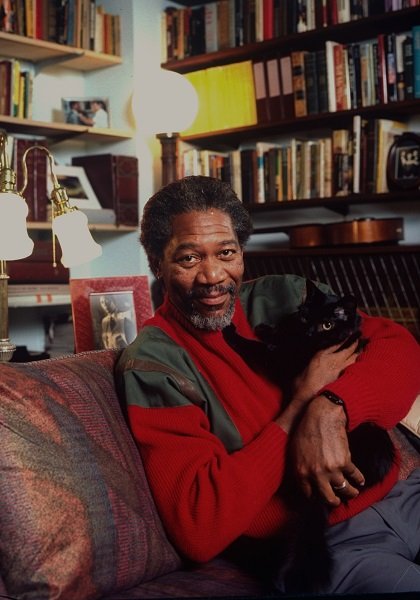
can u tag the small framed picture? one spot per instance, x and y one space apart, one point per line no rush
92 112
78 187
109 311
403 164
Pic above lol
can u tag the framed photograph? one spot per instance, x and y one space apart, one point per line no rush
109 311
78 187
92 112
403 164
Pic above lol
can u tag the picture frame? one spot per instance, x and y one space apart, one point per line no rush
77 184
403 163
91 111
94 301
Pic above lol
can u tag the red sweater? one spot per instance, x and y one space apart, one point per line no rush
208 497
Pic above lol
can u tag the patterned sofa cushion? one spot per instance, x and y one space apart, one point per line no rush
77 518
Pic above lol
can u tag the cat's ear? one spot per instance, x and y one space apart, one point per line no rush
349 302
313 292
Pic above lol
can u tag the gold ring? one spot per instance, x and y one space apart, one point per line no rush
340 487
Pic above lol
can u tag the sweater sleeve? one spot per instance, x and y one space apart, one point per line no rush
206 496
383 383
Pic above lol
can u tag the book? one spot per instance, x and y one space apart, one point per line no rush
261 91
322 80
275 100
248 175
223 24
408 60
287 87
399 65
382 69
211 27
385 132
416 60
329 57
38 267
391 69
311 83
114 179
299 85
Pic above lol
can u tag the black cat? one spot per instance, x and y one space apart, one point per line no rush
321 321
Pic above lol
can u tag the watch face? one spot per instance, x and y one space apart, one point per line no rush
403 165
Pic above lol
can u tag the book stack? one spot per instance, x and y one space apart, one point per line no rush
15 89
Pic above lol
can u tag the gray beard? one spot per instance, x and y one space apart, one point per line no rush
216 323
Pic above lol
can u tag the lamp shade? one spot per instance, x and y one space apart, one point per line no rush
167 104
77 244
14 240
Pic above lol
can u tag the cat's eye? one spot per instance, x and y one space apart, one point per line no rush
327 325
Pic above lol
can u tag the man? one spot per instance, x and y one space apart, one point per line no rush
76 115
213 433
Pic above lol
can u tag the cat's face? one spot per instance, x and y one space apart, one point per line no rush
326 319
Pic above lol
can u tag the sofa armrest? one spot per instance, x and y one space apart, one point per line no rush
412 420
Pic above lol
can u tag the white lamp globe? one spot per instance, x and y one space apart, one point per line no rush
167 103
14 240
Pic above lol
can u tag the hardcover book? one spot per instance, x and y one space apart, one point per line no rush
114 179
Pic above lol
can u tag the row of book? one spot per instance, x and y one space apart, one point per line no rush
230 23
79 23
355 75
347 161
16 89
334 78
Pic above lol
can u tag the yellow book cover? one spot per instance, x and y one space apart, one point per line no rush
242 94
15 87
201 122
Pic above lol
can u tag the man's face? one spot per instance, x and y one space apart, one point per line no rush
202 268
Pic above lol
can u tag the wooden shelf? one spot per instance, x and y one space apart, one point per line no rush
62 131
105 227
338 204
40 51
229 138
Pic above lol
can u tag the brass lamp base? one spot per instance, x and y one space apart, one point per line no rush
169 156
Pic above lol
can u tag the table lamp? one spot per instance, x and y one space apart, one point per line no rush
69 226
167 106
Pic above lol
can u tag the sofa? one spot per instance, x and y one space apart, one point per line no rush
77 518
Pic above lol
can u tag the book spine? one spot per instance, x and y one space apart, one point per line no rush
311 83
276 107
261 92
408 60
322 80
211 27
125 169
299 87
416 60
287 87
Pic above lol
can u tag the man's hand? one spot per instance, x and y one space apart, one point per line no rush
325 366
321 455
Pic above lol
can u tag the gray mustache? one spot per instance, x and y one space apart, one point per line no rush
202 292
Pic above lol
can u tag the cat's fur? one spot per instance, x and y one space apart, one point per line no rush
321 321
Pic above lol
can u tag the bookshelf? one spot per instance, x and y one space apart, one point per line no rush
348 32
269 252
62 70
